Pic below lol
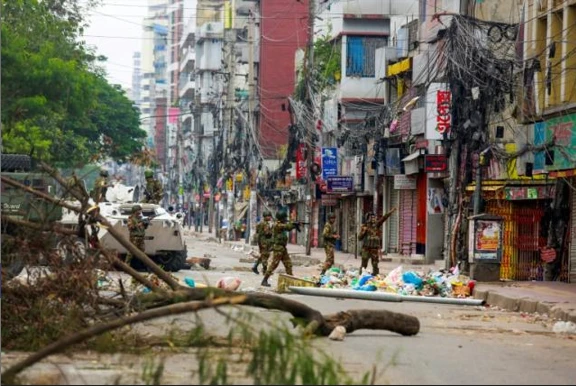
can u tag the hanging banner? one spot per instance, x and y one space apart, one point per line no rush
329 162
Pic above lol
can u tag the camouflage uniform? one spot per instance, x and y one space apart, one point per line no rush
264 232
279 241
330 238
137 229
154 188
100 188
371 233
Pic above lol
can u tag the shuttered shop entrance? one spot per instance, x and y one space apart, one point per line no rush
393 221
407 212
572 261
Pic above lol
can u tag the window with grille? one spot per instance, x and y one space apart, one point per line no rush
361 55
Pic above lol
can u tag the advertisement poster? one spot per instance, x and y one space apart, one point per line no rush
488 233
435 201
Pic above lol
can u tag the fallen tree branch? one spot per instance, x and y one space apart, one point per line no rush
64 343
194 299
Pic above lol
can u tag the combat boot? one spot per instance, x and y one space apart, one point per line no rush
322 272
255 268
265 282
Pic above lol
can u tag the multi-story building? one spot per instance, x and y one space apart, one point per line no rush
154 79
361 35
186 93
136 78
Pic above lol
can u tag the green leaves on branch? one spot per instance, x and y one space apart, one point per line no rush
56 103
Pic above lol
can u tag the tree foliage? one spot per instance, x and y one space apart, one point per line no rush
56 102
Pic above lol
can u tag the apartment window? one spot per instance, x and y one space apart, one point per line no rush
361 55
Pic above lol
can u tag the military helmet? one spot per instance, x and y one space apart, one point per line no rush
331 215
281 215
136 208
104 172
148 173
370 214
266 213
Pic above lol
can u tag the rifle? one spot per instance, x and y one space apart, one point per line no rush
146 220
298 223
147 194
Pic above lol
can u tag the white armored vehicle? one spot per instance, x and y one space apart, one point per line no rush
164 241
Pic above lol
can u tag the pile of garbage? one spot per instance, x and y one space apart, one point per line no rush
443 283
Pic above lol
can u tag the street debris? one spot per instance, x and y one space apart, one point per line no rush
338 333
229 283
445 284
568 328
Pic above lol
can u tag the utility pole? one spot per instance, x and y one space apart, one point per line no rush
253 208
310 126
228 116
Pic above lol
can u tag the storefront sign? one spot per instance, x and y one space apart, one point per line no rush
300 161
438 116
435 163
404 182
340 184
329 162
444 117
328 200
529 192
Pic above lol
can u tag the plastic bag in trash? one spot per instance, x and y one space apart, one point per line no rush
229 283
411 277
366 287
394 277
364 279
190 282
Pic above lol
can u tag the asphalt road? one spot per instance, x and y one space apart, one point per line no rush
456 344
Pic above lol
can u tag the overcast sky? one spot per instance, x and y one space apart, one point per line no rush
116 32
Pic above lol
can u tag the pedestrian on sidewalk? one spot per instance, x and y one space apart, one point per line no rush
330 236
279 241
264 234
371 234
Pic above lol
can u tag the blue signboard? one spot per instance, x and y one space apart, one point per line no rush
340 184
329 162
539 139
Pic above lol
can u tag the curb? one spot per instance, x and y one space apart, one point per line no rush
527 305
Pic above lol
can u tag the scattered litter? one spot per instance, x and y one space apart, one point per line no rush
229 283
190 282
338 333
442 283
568 328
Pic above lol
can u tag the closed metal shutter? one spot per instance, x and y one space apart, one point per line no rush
572 261
407 232
393 222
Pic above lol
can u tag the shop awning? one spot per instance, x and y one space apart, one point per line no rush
411 157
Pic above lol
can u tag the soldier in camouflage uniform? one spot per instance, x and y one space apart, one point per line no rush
330 237
137 228
264 233
371 234
101 186
279 240
154 192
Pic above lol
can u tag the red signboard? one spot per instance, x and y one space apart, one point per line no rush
300 161
435 163
444 118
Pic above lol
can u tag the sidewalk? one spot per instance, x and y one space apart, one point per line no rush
558 300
